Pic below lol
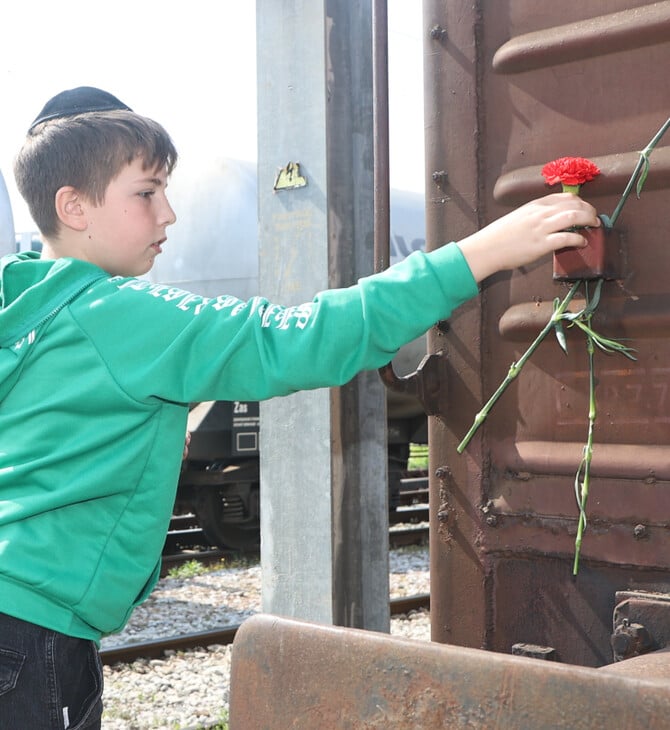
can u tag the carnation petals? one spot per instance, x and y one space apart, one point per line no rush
570 171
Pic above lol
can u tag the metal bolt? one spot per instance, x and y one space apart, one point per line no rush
491 518
630 639
640 532
443 472
440 177
622 645
437 33
442 516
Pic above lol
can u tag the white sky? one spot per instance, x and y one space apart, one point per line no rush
182 64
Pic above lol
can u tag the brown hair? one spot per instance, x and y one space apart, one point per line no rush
86 151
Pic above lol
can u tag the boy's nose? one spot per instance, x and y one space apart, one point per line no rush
168 215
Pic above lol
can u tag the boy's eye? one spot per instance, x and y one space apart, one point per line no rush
146 193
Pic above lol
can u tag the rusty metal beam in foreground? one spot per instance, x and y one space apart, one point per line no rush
298 675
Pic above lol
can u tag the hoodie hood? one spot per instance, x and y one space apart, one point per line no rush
32 290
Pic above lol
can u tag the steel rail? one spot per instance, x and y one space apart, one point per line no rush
156 648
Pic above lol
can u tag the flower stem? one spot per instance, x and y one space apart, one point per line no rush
584 470
583 476
515 367
574 189
641 170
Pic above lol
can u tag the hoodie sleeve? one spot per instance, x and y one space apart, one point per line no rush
162 342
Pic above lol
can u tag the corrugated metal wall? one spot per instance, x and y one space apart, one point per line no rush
510 85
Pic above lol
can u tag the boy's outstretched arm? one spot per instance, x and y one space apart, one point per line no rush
528 233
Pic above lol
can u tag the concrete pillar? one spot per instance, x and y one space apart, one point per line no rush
324 513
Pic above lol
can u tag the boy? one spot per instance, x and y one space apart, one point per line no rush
97 369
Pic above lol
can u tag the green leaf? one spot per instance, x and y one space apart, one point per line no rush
642 178
594 300
560 336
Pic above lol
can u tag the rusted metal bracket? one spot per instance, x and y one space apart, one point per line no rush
641 623
428 383
425 382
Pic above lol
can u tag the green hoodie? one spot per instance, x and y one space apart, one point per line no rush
96 373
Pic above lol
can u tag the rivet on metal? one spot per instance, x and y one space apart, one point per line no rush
442 472
437 33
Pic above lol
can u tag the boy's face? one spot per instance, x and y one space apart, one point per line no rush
126 231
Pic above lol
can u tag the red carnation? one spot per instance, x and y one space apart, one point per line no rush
570 171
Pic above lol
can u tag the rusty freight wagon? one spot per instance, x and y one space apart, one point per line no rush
520 641
511 86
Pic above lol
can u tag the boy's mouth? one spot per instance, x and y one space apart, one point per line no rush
157 246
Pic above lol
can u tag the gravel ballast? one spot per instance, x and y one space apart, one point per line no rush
190 689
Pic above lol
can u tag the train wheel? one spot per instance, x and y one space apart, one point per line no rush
227 519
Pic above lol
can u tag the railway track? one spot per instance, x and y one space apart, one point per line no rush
186 541
192 538
156 649
405 531
398 537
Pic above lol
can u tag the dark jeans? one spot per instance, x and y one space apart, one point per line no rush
48 681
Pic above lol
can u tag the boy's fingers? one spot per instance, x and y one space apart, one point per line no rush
566 219
567 239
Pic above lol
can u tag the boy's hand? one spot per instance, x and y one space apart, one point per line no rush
527 233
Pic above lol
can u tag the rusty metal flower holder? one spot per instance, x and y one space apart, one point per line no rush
583 267
590 262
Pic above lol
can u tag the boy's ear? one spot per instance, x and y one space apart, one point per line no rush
70 208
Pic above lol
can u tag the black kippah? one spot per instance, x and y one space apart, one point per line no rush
78 101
